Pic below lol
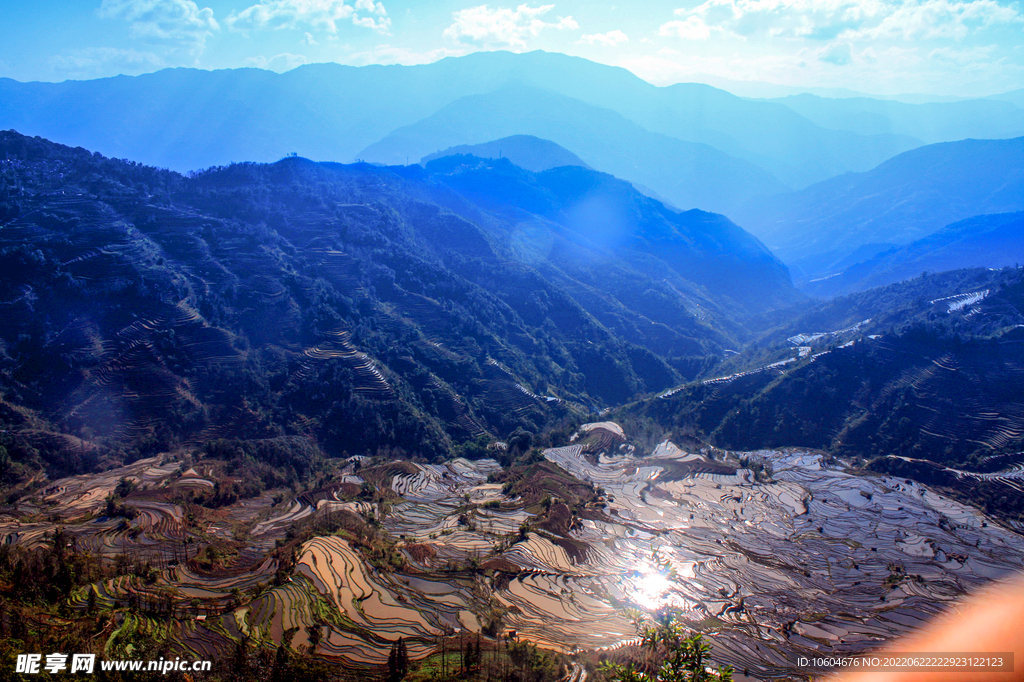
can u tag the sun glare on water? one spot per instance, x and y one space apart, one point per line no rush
651 588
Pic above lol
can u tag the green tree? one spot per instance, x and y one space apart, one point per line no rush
283 658
124 486
679 657
398 661
472 655
314 633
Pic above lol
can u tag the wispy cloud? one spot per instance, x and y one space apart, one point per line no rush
280 62
884 69
503 27
101 61
848 19
177 22
394 54
316 14
839 54
941 19
611 38
691 28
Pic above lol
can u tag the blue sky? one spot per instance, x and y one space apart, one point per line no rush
946 47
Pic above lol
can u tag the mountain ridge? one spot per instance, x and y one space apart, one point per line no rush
691 175
254 115
424 306
989 241
526 151
899 201
930 122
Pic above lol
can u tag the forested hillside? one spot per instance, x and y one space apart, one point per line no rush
371 308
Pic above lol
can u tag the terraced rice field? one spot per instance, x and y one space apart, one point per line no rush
961 301
370 380
776 563
801 564
806 339
770 566
772 368
124 389
1012 476
508 394
338 571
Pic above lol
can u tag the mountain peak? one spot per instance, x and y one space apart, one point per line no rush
526 151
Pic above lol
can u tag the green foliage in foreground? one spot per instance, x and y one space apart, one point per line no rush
677 656
479 659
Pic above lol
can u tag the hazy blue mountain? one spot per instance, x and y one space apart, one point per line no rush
902 200
183 119
930 122
688 174
773 136
1015 97
592 218
187 119
986 241
797 151
526 151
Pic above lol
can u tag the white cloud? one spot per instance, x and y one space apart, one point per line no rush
178 22
390 54
318 14
942 19
888 70
847 19
961 58
502 26
309 39
839 54
692 28
97 62
611 38
280 63
663 68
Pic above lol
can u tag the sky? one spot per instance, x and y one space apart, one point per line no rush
884 47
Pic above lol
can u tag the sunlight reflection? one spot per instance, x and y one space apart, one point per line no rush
651 587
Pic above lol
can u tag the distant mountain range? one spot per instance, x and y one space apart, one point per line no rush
929 122
863 182
1015 97
333 112
829 226
584 210
990 241
686 173
526 151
